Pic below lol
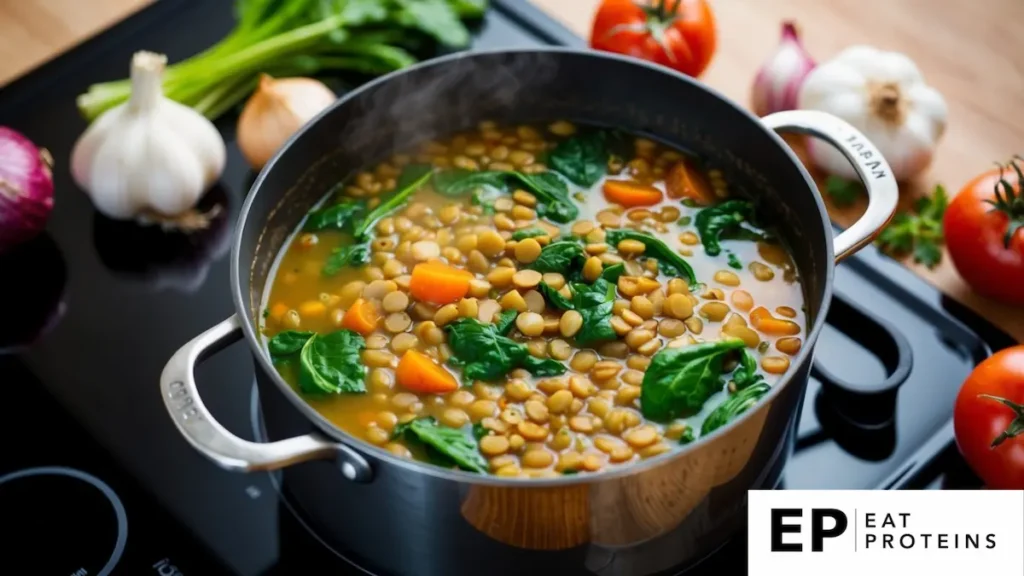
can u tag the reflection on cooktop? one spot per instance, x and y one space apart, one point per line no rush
159 258
33 281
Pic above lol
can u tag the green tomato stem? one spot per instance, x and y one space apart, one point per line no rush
1016 427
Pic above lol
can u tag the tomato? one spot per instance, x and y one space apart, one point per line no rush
985 233
679 34
989 419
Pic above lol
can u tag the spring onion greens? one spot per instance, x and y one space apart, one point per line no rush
301 38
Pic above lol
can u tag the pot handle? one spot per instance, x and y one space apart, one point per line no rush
205 434
871 167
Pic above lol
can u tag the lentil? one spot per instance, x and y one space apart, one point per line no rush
788 345
761 271
775 364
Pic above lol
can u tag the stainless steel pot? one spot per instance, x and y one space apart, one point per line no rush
397 516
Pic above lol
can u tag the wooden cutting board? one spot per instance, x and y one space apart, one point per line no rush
973 55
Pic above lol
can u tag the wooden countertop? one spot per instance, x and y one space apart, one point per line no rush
973 58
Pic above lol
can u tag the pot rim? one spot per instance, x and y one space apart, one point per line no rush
253 338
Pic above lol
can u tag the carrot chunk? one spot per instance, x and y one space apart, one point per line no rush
686 182
277 311
438 283
361 317
629 193
417 372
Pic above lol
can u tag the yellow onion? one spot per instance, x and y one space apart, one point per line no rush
275 111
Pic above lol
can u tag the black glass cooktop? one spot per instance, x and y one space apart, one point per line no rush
94 478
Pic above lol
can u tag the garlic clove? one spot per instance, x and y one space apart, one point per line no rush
930 104
202 137
176 181
85 148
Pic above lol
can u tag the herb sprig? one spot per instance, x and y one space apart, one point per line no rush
918 233
842 191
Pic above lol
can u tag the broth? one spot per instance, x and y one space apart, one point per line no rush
558 391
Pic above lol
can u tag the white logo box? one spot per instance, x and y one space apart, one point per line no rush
904 533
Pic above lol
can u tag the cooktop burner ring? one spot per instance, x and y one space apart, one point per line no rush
108 492
259 433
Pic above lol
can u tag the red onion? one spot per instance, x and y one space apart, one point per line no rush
26 188
777 85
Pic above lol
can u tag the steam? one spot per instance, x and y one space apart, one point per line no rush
448 95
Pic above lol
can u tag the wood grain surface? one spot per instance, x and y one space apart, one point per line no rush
33 31
972 53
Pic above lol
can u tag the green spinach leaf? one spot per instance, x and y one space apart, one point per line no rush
458 181
505 322
330 363
594 302
484 353
337 217
469 8
555 298
730 220
565 257
479 431
287 343
528 233
669 261
597 324
589 295
453 443
746 374
356 12
437 18
583 158
687 436
551 191
552 194
734 262
613 272
543 366
355 254
680 380
733 406
585 295
409 181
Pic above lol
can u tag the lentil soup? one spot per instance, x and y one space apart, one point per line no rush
531 301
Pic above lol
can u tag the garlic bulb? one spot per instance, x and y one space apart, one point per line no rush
884 96
275 111
150 154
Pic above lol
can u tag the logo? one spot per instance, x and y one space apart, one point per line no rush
818 530
877 533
